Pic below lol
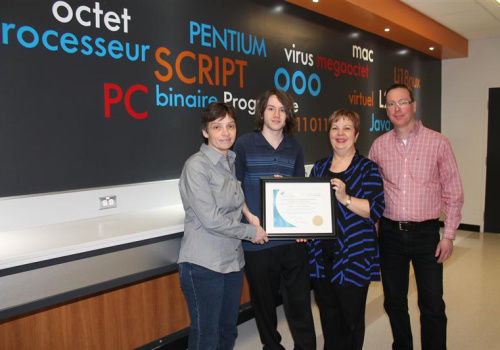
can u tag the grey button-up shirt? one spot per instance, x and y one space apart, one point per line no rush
213 200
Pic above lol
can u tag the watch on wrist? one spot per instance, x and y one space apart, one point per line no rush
348 202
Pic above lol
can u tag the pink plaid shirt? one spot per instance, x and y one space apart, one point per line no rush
419 176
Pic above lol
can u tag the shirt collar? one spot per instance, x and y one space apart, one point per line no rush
215 156
414 132
261 140
416 129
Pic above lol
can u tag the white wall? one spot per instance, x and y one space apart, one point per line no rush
465 118
18 213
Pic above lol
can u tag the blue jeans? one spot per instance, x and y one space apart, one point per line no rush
213 301
397 249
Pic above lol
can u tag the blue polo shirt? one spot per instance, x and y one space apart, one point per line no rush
256 158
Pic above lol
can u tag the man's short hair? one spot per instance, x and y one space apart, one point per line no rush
398 86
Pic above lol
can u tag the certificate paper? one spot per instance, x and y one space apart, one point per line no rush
298 208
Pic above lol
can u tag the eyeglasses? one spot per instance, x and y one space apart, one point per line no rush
400 103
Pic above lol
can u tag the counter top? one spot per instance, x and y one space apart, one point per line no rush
59 240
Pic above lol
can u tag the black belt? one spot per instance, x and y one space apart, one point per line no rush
409 225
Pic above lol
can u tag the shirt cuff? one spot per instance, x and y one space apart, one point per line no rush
449 233
250 232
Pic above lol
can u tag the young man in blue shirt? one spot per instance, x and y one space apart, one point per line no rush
278 266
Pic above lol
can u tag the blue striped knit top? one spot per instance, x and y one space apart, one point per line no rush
353 258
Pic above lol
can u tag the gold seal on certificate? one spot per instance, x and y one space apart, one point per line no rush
318 220
298 208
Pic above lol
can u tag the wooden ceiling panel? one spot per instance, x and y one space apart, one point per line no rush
408 26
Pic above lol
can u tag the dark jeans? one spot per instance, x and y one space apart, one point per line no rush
397 249
213 300
342 313
281 269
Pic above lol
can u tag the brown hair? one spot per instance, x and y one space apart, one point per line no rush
214 111
345 113
287 102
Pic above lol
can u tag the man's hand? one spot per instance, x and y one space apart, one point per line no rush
444 250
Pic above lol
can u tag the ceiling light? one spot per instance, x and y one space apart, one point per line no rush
431 48
278 9
318 0
387 29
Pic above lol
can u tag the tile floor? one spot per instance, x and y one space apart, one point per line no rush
472 296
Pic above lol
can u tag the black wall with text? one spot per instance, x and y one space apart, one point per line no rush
107 93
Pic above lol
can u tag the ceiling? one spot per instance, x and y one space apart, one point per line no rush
473 19
438 28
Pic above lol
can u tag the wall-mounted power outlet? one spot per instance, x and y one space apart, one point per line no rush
107 202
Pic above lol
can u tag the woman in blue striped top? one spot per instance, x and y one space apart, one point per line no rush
342 269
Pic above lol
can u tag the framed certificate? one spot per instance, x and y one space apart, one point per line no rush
298 207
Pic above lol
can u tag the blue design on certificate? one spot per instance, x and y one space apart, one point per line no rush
278 219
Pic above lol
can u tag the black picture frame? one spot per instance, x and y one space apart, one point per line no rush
298 208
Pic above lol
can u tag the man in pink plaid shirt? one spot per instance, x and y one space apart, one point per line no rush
420 173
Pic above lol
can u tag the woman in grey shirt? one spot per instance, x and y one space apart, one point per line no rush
211 256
